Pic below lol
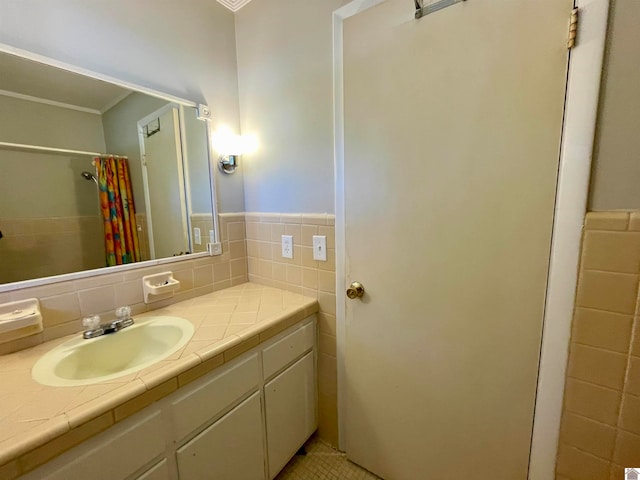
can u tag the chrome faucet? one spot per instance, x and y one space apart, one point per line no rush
94 328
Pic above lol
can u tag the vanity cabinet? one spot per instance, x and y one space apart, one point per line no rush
242 421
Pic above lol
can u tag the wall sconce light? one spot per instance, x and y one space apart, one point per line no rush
231 147
228 163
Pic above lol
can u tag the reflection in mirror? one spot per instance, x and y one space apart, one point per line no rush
93 174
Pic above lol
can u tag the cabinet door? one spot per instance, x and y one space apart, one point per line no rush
115 454
160 471
290 404
230 449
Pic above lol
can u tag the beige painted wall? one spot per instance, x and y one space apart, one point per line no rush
198 159
30 183
286 99
35 185
188 49
23 121
616 168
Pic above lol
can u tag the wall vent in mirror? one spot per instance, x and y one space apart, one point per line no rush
158 166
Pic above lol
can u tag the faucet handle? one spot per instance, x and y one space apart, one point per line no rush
124 312
92 322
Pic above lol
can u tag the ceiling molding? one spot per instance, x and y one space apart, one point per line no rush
46 101
234 5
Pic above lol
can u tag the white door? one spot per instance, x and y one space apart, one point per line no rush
163 177
452 134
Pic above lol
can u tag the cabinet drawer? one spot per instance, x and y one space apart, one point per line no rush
203 401
288 349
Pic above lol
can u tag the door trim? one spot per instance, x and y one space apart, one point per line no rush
576 149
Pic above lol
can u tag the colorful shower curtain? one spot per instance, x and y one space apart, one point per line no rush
118 211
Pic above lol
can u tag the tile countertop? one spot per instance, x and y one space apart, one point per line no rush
227 323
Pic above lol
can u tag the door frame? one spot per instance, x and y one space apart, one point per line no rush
576 150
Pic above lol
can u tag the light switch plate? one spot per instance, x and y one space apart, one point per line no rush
197 237
203 112
320 248
287 246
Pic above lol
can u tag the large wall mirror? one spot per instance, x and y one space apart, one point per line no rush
93 174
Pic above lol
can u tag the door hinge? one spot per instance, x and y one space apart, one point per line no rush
573 28
424 10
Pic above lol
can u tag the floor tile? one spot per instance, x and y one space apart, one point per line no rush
323 462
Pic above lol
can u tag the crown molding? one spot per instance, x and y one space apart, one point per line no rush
234 5
46 101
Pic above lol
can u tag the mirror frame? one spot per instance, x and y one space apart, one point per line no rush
203 111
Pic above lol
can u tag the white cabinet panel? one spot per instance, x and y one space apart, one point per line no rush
290 405
160 471
197 404
230 449
112 455
288 349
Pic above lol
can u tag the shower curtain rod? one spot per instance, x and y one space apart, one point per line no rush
37 148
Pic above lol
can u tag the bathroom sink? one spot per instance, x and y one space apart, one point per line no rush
83 362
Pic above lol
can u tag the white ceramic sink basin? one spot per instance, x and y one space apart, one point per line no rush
83 362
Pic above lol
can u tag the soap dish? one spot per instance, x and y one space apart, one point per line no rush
20 319
159 285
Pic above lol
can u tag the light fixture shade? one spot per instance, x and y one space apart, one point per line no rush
225 142
230 147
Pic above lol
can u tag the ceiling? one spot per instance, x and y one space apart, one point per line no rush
32 79
26 77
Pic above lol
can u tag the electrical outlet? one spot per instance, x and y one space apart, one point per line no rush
212 234
287 246
197 238
214 248
320 248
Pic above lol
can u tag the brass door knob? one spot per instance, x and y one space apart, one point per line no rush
356 290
